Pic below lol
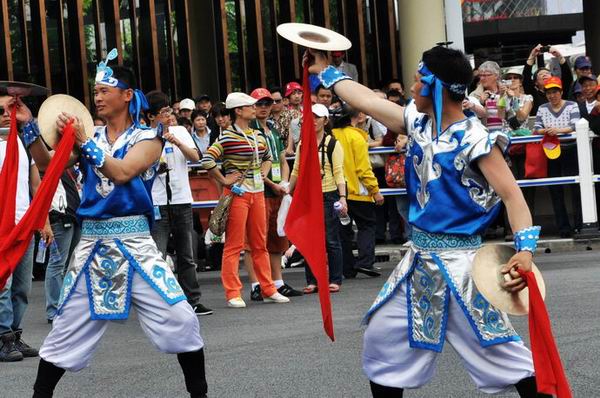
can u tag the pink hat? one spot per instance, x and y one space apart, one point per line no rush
261 93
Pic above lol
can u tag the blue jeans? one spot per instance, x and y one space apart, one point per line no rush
13 298
333 241
65 234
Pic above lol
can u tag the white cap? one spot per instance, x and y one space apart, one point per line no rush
235 100
320 110
187 105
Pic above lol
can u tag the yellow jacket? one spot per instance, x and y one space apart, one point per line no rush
361 181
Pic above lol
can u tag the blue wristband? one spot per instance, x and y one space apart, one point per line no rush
30 132
92 153
330 76
527 238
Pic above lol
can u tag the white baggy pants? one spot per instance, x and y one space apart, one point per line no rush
75 336
388 359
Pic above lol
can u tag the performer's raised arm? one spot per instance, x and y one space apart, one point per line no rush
358 96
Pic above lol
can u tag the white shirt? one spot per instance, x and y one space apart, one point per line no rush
23 198
178 171
590 105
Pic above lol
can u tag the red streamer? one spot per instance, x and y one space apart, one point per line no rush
549 373
305 224
14 240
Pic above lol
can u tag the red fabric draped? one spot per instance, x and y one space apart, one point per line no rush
305 223
549 373
14 240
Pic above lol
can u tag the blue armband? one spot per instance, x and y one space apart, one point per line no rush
93 154
526 239
330 76
30 132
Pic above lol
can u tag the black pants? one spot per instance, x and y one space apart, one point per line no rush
565 165
177 220
363 213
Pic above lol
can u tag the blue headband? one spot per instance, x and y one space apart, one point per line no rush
139 103
432 87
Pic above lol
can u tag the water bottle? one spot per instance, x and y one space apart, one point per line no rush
41 252
345 220
55 256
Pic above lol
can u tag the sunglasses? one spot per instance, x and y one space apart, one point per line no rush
1 111
278 101
264 103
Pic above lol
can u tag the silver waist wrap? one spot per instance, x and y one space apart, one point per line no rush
107 255
436 267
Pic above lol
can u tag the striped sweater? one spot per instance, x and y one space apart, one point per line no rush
237 150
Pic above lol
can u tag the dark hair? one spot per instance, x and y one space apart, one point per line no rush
394 80
451 66
184 121
156 101
276 89
345 117
321 87
219 109
393 93
125 75
197 113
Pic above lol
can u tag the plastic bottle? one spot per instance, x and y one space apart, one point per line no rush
345 220
41 252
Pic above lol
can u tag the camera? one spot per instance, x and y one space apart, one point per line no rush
545 49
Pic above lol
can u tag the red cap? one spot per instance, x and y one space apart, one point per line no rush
261 93
337 53
291 87
553 82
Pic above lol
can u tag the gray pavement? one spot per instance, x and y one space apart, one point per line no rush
270 350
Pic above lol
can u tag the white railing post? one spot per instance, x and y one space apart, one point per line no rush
586 182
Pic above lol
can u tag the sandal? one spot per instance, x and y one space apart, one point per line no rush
334 288
310 289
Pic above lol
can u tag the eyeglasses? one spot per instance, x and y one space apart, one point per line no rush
264 103
485 75
166 111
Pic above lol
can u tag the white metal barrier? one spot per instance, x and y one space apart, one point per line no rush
585 179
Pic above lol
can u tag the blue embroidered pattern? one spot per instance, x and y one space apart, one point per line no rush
68 283
170 283
109 298
121 227
424 302
92 153
430 241
492 320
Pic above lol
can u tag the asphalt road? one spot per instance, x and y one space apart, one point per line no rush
270 350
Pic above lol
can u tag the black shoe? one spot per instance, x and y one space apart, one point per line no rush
289 291
50 321
256 294
368 271
201 310
8 349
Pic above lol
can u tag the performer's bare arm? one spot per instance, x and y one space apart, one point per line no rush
139 159
497 173
361 97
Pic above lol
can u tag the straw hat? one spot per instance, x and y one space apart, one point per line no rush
486 274
54 106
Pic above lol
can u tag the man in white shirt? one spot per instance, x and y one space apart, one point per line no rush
13 297
172 198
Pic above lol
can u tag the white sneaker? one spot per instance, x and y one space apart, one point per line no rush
276 298
236 302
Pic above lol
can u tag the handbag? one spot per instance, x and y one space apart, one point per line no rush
394 171
217 223
536 162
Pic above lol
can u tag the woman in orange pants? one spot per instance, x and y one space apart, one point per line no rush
242 148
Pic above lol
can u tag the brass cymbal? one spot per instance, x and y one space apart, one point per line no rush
54 106
22 89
